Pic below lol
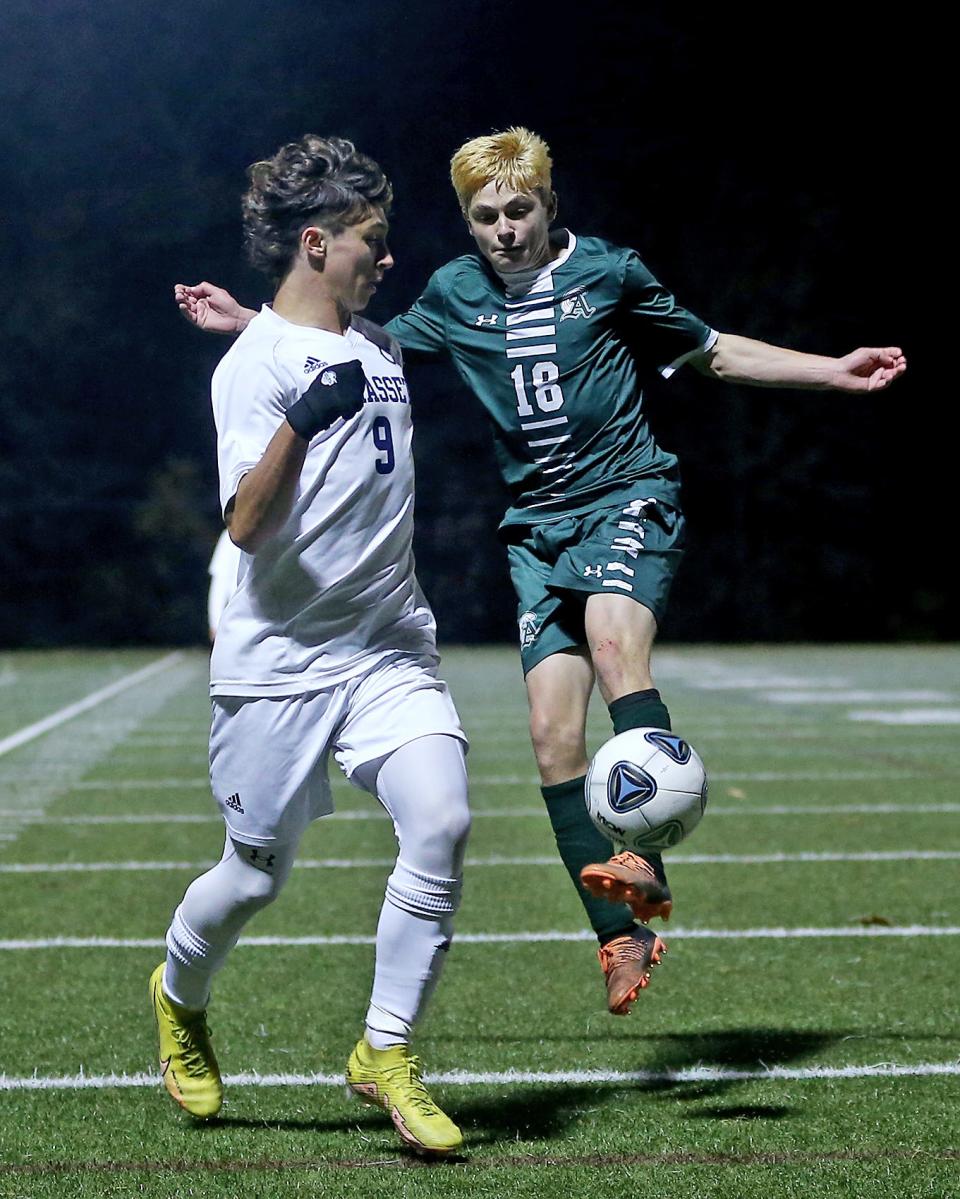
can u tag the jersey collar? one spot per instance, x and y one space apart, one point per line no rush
540 278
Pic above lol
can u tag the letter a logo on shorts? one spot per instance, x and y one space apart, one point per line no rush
529 629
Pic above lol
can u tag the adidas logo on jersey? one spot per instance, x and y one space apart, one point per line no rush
312 365
233 801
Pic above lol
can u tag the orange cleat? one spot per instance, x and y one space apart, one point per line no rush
628 878
626 964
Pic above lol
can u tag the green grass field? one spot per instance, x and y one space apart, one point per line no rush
802 1037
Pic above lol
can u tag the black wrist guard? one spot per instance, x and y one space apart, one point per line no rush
336 392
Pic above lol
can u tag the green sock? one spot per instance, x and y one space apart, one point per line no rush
579 844
639 710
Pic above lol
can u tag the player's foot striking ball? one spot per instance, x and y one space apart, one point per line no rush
629 878
187 1063
390 1078
627 963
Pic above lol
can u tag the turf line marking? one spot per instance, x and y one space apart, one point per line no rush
909 716
858 697
689 859
466 1078
530 780
93 700
35 817
606 1161
549 936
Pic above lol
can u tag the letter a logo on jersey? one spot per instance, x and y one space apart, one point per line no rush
574 307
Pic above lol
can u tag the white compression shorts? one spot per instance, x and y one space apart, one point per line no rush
268 755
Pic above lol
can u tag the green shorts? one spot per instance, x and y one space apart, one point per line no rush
631 550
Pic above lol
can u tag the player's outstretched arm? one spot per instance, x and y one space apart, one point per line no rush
742 360
212 308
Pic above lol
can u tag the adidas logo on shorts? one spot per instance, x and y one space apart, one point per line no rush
233 801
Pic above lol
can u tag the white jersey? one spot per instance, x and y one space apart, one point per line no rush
334 591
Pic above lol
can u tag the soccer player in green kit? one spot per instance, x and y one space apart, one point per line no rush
552 333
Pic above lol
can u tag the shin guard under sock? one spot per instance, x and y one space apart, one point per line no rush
580 844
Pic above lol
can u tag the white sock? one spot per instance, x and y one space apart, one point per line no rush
211 916
424 788
410 954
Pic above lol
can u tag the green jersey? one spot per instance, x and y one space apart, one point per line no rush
556 357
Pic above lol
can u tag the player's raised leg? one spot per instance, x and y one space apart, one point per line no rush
620 634
423 785
558 689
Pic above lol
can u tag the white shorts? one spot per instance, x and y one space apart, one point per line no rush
268 754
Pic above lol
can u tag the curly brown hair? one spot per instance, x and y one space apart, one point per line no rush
316 180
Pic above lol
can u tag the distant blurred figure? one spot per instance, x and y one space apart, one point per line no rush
224 564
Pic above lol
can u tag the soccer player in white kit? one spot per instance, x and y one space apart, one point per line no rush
327 643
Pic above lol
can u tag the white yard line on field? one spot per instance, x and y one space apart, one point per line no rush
759 682
916 717
548 936
692 859
93 700
467 1078
858 697
197 782
53 753
378 814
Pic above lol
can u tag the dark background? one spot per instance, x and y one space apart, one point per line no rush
767 168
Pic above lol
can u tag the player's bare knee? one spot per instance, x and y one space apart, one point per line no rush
558 742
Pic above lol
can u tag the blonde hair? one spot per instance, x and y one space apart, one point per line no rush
515 158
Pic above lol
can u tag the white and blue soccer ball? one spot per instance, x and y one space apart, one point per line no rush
646 789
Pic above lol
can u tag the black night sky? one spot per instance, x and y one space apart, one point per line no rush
766 168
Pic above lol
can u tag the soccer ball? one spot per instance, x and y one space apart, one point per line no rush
646 789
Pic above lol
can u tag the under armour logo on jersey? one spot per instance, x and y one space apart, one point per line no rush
313 364
592 572
233 801
488 320
574 307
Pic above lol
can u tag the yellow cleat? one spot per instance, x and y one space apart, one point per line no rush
187 1063
390 1078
